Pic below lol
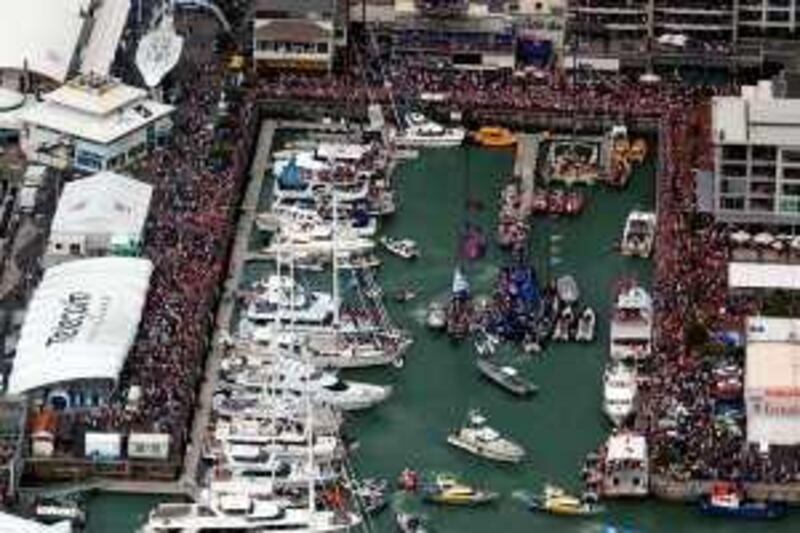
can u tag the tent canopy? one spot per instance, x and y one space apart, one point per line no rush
105 203
81 322
41 35
745 275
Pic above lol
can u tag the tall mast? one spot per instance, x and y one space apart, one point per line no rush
335 260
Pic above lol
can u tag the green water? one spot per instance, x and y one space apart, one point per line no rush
439 383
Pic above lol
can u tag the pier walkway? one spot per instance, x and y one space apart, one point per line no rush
225 313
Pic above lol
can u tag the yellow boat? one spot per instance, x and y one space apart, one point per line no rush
556 501
447 490
495 137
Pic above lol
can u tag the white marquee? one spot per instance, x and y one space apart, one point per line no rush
81 322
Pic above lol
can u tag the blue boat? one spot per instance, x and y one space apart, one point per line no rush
727 500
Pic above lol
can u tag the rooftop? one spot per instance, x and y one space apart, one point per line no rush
96 95
756 117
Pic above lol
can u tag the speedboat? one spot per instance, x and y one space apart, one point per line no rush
506 377
404 248
730 501
586 325
639 234
479 439
567 289
436 317
409 523
556 501
447 490
419 131
494 137
619 392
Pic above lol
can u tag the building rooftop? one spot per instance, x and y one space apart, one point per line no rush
101 112
42 35
291 31
756 117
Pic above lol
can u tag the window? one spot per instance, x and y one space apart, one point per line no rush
735 186
75 249
732 203
88 160
736 170
791 189
791 173
764 153
734 152
791 156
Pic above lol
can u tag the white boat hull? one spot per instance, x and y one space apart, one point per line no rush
485 451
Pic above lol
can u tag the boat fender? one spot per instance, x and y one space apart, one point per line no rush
399 362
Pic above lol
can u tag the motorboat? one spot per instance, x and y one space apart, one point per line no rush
421 132
409 523
563 328
241 512
436 316
404 295
371 494
281 298
619 392
404 248
506 377
625 466
494 137
294 378
554 500
639 234
447 490
477 438
631 323
567 289
730 501
586 325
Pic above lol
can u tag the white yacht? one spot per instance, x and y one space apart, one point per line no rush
329 348
419 131
479 439
241 512
293 378
639 234
281 298
631 323
619 392
625 470
403 248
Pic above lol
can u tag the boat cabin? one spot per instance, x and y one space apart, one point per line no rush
625 468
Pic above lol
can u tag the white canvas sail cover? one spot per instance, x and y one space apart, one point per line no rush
81 322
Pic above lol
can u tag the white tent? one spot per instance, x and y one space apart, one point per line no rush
81 322
97 211
41 35
746 275
109 23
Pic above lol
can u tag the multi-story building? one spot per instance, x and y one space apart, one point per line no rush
756 157
93 123
300 34
679 29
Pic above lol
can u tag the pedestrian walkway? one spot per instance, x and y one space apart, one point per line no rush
225 313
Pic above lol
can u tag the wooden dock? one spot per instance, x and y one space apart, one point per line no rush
525 161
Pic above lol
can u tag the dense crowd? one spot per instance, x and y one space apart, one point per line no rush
197 178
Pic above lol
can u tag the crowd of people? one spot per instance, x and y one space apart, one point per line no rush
197 179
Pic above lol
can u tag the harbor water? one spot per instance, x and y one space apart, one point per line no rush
439 382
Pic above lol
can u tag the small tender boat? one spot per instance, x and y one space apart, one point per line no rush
586 325
372 495
494 137
405 295
404 248
507 377
409 523
567 289
556 501
436 317
639 234
419 131
447 490
728 500
479 439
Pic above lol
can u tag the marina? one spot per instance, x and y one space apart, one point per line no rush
517 295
